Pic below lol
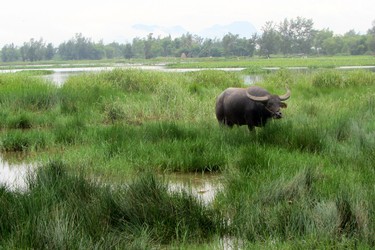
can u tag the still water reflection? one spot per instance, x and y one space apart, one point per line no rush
203 186
13 175
60 75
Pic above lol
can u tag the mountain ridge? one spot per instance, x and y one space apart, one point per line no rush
241 28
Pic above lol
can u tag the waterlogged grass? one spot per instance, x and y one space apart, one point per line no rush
62 210
305 180
257 64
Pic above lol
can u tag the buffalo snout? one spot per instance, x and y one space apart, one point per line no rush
278 115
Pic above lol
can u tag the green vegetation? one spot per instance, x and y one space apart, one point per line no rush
257 65
66 211
305 181
289 37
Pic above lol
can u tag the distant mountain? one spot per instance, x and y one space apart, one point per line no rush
160 30
241 28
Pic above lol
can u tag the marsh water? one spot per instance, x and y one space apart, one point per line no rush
14 174
60 75
204 186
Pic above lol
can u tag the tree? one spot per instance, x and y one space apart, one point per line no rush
188 44
167 46
302 30
33 50
292 36
319 38
50 52
10 53
354 44
371 31
333 45
81 48
138 47
286 37
250 45
370 39
296 35
128 52
230 44
270 40
147 46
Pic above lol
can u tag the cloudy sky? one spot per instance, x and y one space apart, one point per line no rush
112 20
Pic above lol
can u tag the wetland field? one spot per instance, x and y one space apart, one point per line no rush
105 149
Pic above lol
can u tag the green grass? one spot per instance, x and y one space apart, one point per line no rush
257 64
65 210
304 181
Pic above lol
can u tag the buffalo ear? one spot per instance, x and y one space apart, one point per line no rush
283 105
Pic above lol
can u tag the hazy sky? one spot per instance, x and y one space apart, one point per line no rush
112 20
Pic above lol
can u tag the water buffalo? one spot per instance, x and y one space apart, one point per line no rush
251 106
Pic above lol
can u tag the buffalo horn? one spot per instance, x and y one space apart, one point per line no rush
258 98
286 96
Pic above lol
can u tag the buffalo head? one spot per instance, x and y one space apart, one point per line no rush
272 103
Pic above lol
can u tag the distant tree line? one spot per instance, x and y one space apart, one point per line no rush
289 37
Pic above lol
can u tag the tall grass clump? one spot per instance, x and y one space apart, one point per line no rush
133 80
83 93
299 135
169 216
162 146
359 78
115 111
214 78
328 78
70 131
295 210
63 210
24 141
336 78
25 92
281 78
23 120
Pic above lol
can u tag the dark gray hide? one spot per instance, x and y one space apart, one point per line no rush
251 106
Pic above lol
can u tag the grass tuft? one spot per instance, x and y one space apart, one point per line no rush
65 210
